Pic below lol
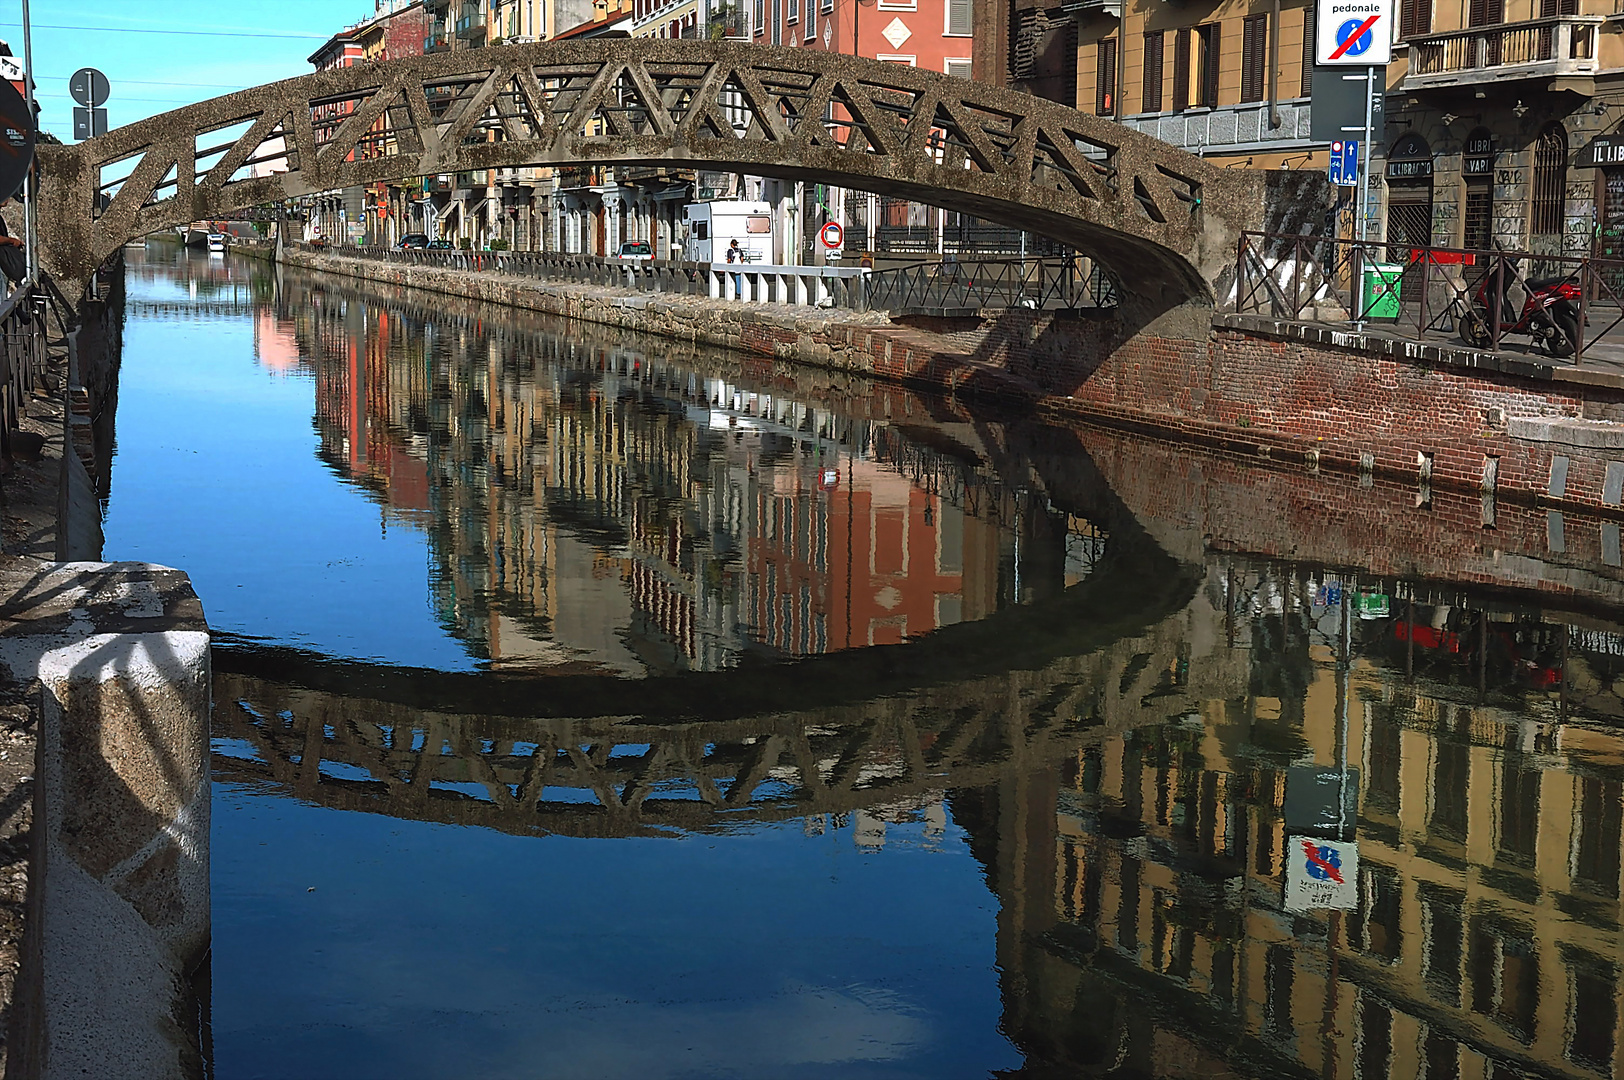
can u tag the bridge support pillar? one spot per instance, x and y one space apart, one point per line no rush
118 902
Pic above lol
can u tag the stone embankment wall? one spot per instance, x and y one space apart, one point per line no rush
117 919
1520 431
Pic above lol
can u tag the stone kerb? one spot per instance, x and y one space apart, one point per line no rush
119 896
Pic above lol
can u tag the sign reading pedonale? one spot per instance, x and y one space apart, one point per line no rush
1354 32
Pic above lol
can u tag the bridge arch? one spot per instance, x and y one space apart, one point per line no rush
1163 220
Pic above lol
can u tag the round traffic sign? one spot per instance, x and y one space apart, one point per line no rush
1336 149
89 87
832 234
1360 44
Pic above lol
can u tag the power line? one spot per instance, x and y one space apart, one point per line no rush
180 33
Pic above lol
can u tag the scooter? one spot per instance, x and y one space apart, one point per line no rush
1549 314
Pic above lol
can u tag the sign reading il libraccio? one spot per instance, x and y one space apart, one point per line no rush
1321 874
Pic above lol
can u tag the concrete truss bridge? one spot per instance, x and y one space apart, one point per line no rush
1160 219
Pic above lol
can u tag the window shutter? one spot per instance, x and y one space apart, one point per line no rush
1181 68
1105 78
1210 56
959 16
1254 56
1152 100
1308 51
959 69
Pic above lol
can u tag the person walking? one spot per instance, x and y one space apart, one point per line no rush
735 254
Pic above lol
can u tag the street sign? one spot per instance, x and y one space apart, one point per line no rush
89 87
18 129
89 123
1338 106
1345 162
832 234
1321 874
1354 32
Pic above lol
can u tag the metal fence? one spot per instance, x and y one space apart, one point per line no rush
815 286
1566 308
22 357
953 287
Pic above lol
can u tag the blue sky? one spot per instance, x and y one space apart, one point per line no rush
160 56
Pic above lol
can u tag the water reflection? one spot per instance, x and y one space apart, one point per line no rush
617 507
1042 832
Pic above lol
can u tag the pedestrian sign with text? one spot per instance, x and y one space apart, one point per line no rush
1321 874
1354 32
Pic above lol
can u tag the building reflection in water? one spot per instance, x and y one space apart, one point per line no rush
1144 935
598 507
598 510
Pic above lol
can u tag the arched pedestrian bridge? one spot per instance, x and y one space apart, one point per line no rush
1164 221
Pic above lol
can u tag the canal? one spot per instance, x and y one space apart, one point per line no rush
593 706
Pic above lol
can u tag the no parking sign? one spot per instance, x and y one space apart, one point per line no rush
1321 874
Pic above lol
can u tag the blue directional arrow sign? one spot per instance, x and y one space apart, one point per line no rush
1344 171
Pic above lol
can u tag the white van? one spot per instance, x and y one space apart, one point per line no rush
713 226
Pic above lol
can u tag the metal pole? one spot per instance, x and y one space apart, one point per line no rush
1363 202
30 248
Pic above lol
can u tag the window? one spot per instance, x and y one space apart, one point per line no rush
810 20
778 21
1485 12
1550 178
959 18
1415 18
793 14
1600 822
958 68
1593 993
1254 56
1211 37
895 58
758 223
1181 68
1105 78
898 5
1151 101
826 6
760 16
1308 51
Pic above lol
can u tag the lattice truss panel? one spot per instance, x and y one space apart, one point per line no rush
610 776
847 120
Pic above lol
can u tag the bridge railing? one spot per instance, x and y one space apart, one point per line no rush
1439 295
802 286
964 287
22 356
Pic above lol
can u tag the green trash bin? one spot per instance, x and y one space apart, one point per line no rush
1379 297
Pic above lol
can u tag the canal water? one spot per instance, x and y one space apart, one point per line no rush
593 706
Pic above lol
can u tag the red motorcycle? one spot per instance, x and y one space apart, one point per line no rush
1549 311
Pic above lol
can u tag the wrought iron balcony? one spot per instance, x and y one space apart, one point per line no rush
1558 45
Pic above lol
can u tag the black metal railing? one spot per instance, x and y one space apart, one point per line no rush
1478 296
952 286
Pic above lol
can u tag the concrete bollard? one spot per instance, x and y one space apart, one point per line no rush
118 915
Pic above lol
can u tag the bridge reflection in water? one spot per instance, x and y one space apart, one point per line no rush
1116 730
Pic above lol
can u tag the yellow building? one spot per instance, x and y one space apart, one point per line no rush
1492 106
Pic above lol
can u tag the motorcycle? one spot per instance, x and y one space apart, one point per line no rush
1549 311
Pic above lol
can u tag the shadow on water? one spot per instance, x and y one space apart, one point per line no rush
1132 705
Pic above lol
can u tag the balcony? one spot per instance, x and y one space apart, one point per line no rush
437 42
471 25
432 6
1557 46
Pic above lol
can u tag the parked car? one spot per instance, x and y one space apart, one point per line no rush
638 250
414 240
439 245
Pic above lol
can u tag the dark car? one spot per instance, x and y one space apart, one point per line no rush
439 245
414 240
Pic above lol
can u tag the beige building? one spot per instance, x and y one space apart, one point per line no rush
1491 110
